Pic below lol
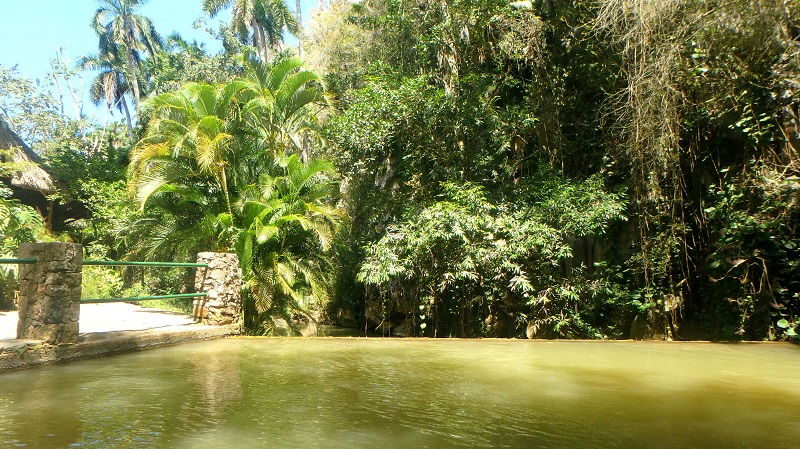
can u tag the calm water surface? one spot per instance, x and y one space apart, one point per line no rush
358 393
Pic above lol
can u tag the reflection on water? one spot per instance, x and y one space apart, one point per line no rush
42 414
358 393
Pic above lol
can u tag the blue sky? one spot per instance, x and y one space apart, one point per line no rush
32 32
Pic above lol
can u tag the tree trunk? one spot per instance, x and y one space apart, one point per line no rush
127 117
260 41
224 182
299 30
134 79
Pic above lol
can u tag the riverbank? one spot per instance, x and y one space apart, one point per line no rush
105 329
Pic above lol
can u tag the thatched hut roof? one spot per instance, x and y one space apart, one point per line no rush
31 183
31 174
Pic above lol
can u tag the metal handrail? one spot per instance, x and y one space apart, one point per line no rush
142 298
120 263
17 261
123 263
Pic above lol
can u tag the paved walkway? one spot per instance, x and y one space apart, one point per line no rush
110 317
105 329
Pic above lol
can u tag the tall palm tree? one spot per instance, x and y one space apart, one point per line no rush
257 22
110 86
120 29
299 33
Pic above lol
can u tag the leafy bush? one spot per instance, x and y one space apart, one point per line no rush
101 282
18 224
465 266
754 258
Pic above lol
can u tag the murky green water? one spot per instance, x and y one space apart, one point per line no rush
357 393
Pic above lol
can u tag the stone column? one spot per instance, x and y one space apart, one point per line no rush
222 281
50 292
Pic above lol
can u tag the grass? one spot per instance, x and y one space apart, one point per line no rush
180 305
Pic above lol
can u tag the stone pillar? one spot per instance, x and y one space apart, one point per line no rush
50 292
221 281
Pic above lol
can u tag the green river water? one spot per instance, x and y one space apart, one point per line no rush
376 393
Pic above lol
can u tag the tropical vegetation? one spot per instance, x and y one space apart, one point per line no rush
491 168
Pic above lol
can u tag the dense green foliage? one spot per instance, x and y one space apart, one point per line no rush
613 169
685 107
474 268
18 224
219 167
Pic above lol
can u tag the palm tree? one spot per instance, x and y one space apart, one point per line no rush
213 168
299 33
188 137
110 85
286 227
257 22
244 124
180 219
282 102
123 31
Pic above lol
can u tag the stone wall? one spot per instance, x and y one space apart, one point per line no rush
221 281
50 292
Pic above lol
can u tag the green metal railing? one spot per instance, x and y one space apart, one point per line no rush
17 261
142 298
115 263
124 263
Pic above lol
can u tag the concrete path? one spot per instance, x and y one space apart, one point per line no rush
111 317
105 329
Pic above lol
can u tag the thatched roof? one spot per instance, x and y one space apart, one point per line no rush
31 176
